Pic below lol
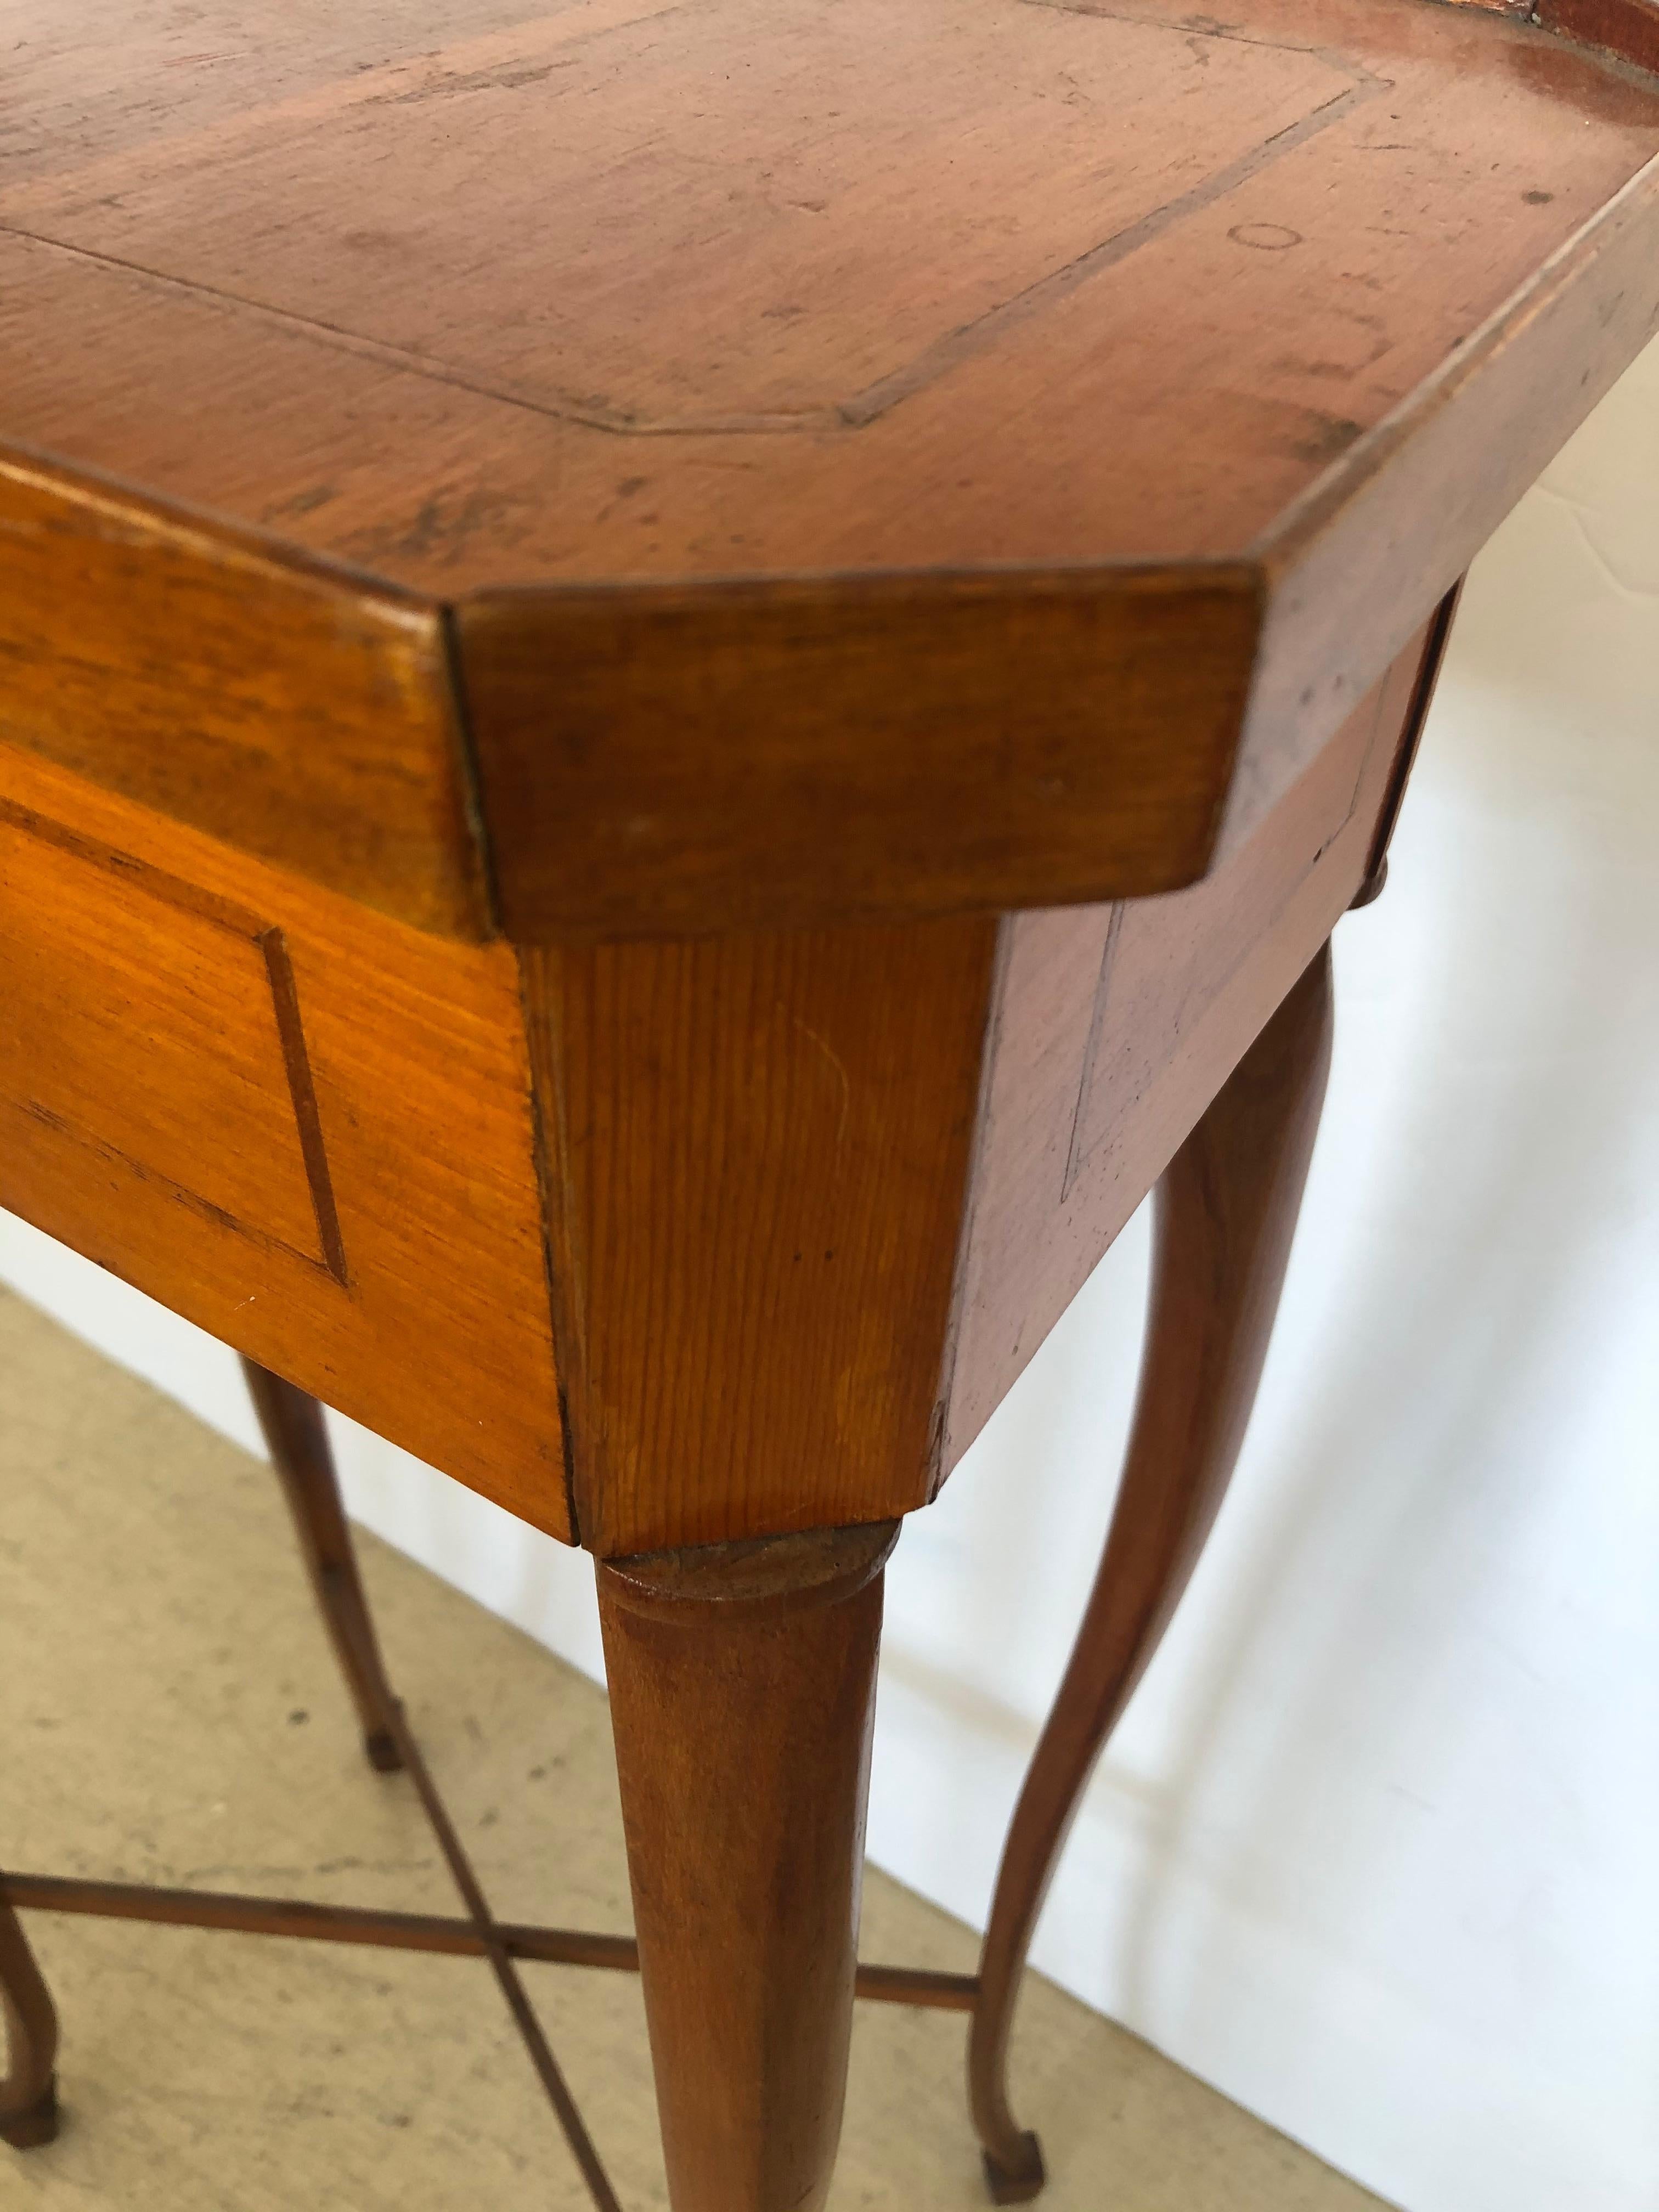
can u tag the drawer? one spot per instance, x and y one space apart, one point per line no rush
301 1124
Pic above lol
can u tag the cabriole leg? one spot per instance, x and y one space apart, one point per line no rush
1226 1209
297 1439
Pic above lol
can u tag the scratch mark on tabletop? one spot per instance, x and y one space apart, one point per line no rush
842 1077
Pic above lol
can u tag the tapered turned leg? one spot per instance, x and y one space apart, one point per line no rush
742 1692
297 1439
1226 1208
28 2095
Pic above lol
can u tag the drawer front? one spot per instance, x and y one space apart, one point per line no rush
301 1124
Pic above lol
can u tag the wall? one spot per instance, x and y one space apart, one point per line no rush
1374 1849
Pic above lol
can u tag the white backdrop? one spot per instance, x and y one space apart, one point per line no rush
1375 1850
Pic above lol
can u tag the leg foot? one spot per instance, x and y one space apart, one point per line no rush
1018 2184
28 2095
743 1687
37 2126
297 1439
382 1752
1226 1208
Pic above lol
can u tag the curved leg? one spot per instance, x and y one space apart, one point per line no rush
294 1430
1226 1208
28 2092
743 1681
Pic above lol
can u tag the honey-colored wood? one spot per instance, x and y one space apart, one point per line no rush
757 1151
786 1292
665 762
1226 1210
1354 565
810 1199
1113 1027
975 472
743 1694
404 365
305 1126
947 470
107 957
303 715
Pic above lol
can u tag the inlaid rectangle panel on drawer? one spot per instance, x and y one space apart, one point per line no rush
158 1027
301 1124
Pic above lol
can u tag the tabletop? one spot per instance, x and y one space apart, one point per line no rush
644 385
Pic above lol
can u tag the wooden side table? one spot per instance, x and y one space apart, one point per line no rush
683 689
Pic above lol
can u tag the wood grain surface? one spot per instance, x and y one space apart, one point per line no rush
1090 405
816 1198
742 1684
1113 1029
842 312
809 1199
973 284
756 1156
675 762
1355 564
305 1126
296 713
140 1012
765 501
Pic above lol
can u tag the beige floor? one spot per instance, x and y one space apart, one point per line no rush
170 1716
